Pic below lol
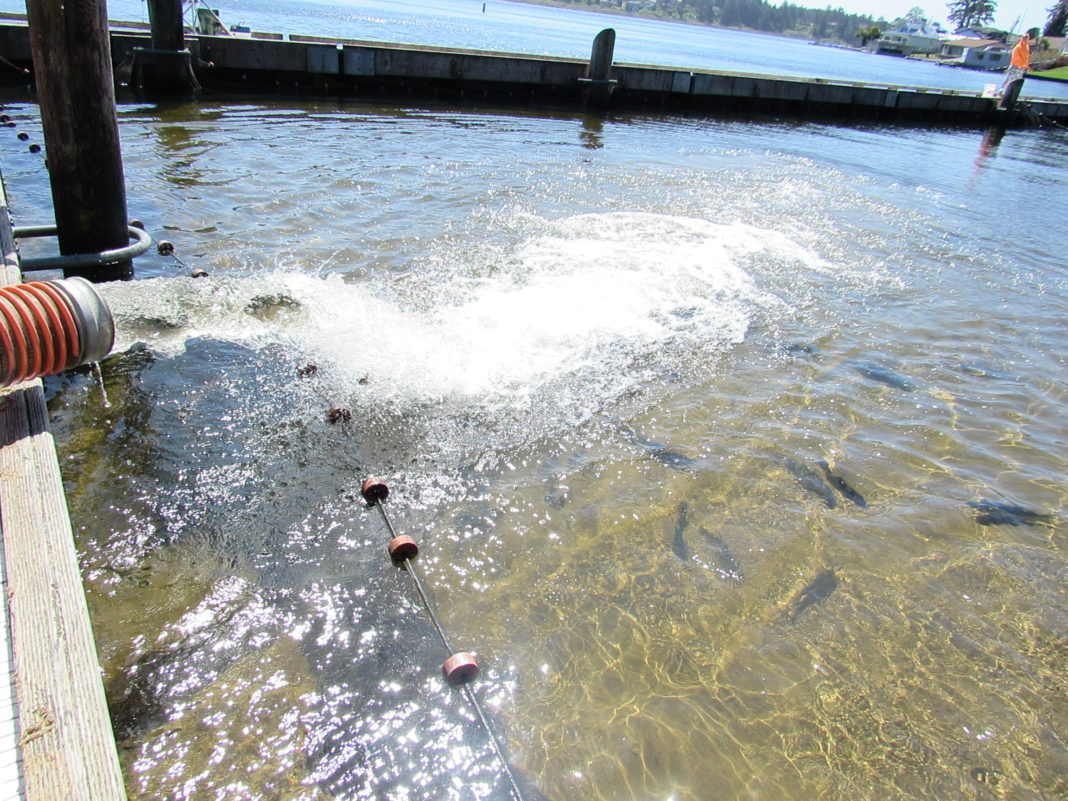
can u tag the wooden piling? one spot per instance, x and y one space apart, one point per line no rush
1010 95
165 19
166 68
598 83
73 71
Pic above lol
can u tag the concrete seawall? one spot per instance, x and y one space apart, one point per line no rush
314 66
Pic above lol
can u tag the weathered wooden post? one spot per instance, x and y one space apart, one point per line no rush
76 91
598 82
165 18
1009 96
166 68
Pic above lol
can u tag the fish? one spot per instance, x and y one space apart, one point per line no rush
987 372
800 349
724 562
663 454
810 480
681 522
557 494
814 592
840 484
996 513
884 375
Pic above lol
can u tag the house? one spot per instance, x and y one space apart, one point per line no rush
909 38
981 54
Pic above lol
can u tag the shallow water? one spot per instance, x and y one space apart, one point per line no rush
599 363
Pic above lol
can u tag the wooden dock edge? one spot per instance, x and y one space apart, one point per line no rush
64 730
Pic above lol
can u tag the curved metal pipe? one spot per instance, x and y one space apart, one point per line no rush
143 243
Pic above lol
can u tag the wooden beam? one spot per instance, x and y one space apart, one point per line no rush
76 91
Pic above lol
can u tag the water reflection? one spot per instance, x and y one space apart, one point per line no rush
592 135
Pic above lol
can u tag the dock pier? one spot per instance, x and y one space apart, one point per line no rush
312 66
56 740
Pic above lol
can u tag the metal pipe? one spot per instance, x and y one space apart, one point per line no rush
77 260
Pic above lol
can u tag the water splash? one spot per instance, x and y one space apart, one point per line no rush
99 375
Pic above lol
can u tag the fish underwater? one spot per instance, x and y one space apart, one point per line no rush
979 371
719 558
679 545
663 454
814 592
844 488
995 513
711 553
883 375
800 349
811 481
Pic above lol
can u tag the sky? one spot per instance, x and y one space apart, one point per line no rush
1033 13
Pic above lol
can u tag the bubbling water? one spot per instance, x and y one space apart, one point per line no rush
594 300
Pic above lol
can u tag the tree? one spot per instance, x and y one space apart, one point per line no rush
916 14
1057 22
967 13
873 32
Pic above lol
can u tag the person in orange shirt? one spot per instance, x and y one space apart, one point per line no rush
1021 61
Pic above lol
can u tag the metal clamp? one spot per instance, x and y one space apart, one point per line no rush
143 243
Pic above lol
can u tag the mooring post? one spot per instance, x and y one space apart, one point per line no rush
167 67
598 82
165 18
1008 97
76 92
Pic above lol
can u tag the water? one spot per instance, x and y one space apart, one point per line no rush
522 28
599 363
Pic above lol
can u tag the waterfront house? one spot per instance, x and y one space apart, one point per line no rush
911 38
982 54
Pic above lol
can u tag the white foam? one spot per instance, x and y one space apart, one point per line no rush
585 294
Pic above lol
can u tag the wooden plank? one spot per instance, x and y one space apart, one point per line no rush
11 778
66 741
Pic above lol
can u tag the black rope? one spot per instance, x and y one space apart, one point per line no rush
419 588
15 67
467 691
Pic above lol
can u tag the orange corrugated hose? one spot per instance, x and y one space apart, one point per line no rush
38 333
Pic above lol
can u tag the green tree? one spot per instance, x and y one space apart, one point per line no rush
871 32
916 14
1057 22
967 13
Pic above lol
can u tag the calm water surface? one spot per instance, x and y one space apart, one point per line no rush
602 364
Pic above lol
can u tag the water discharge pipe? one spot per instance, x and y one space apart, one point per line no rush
47 327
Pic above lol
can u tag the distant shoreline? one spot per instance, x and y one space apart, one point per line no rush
618 12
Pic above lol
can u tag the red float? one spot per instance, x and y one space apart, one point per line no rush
374 490
460 668
403 547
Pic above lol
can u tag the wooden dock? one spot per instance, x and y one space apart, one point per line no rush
309 66
56 740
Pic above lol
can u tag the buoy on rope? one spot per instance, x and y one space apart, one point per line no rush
403 547
197 272
374 490
460 668
137 224
338 414
164 247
